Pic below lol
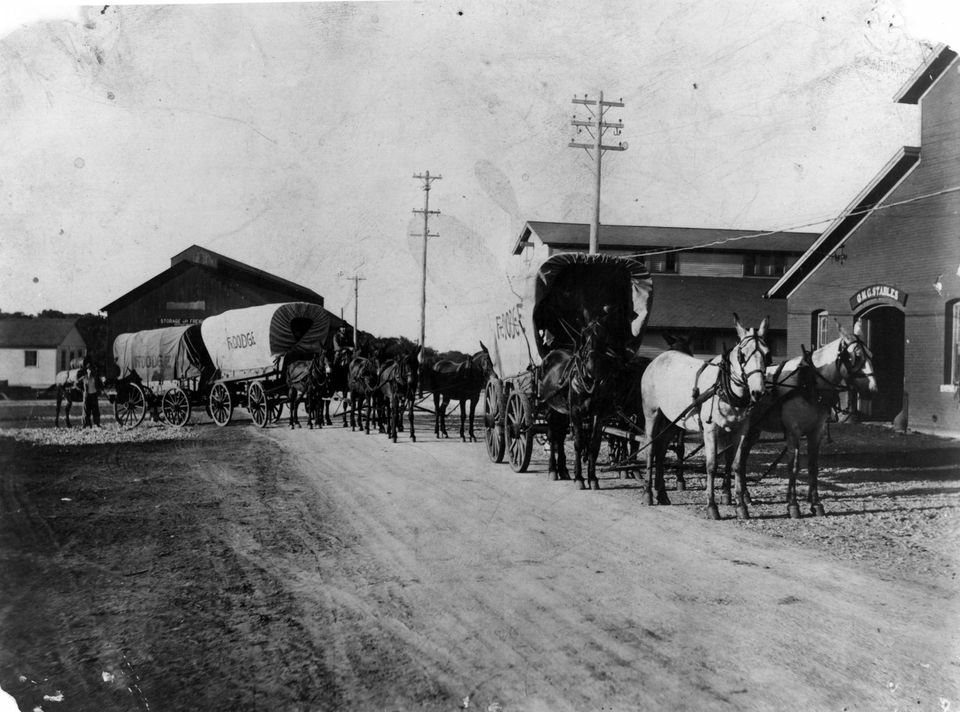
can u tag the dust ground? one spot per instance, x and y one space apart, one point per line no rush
238 569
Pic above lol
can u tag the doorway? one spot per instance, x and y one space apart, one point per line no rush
883 328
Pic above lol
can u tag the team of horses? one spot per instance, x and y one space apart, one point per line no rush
730 400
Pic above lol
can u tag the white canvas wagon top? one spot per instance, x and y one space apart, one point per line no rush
253 341
548 313
159 355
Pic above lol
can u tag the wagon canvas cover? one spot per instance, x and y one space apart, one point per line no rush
548 313
252 342
159 355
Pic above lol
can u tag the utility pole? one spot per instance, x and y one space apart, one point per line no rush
596 127
427 212
356 279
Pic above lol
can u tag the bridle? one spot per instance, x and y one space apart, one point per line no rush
729 380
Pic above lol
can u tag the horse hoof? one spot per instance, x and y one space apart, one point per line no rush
662 498
725 498
594 484
818 510
413 438
713 512
793 511
742 512
649 498
681 485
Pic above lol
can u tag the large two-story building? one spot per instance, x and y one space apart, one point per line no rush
701 276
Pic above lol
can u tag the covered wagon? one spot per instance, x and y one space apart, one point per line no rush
167 370
550 313
250 349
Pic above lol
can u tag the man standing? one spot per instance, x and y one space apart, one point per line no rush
89 383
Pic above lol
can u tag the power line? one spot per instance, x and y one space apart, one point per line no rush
768 233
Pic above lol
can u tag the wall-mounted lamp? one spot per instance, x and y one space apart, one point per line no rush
839 256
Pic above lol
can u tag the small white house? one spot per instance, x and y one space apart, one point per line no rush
33 350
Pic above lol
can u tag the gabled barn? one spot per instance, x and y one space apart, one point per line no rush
199 283
891 259
33 350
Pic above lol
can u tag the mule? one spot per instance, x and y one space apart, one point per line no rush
338 383
801 395
399 381
713 397
461 381
305 380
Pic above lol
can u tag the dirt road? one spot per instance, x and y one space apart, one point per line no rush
245 569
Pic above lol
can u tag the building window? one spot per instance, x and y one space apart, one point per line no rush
819 328
30 359
951 366
763 264
662 264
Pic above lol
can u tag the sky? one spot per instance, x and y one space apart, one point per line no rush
287 136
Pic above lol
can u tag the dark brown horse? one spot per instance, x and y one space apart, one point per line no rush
461 381
306 380
399 381
583 385
363 381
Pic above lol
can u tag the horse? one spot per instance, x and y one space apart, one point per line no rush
306 379
715 397
581 387
68 392
632 414
398 384
363 382
801 395
460 381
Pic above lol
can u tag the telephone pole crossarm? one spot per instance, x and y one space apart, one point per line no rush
426 212
596 127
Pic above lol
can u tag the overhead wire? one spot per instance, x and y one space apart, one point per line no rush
768 233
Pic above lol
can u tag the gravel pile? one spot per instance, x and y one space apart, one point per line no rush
110 433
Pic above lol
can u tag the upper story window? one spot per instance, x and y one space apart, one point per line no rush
662 264
764 264
30 359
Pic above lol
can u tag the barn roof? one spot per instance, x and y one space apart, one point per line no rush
710 302
926 75
875 193
34 333
576 236
219 265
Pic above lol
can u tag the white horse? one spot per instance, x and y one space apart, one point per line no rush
67 391
801 394
713 397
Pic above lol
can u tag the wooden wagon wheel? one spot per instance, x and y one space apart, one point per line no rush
221 406
519 431
258 404
175 407
492 429
130 406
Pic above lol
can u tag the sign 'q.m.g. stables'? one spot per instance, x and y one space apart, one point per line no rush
877 293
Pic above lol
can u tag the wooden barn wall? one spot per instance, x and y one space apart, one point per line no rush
194 285
907 247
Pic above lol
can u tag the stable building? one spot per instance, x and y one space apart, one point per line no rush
33 350
701 276
200 283
892 260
